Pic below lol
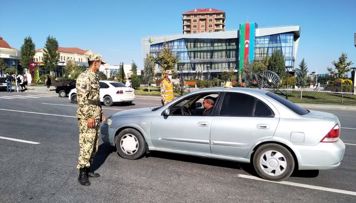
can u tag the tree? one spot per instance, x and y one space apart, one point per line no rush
165 59
102 75
27 53
121 74
276 63
134 68
51 55
72 71
2 66
342 67
148 69
302 76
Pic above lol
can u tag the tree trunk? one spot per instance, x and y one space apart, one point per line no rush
301 93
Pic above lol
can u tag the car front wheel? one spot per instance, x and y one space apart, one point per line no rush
107 101
273 162
130 144
62 93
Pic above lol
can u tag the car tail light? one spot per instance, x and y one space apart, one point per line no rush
119 92
333 135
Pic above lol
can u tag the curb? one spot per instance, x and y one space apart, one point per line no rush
328 106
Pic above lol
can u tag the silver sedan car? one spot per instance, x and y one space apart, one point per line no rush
246 125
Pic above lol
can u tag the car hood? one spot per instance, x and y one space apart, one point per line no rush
134 112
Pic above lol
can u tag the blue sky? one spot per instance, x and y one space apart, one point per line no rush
115 28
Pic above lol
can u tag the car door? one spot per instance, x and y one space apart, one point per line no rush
185 133
104 90
243 121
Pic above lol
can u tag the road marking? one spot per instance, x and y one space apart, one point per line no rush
38 113
346 128
24 96
313 187
350 144
74 105
18 140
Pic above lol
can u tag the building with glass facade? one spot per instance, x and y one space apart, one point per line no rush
206 55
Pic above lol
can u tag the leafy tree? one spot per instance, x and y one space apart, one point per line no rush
342 67
276 63
102 75
72 71
2 66
134 68
51 55
302 76
259 66
27 53
36 76
121 74
135 81
148 70
165 59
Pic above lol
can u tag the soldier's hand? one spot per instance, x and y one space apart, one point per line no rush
103 118
91 122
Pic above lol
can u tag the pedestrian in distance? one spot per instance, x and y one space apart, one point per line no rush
48 82
89 115
9 80
167 94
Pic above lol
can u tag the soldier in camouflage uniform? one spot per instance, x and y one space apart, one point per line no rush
89 115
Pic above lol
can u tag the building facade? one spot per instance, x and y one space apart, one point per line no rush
203 20
9 55
66 54
206 55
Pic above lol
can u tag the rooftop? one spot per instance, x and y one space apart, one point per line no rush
4 44
203 10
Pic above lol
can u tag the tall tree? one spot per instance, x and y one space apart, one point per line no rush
302 76
342 67
148 69
2 66
27 53
134 68
51 55
276 63
166 59
121 74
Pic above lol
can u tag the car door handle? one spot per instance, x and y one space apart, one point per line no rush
262 126
203 123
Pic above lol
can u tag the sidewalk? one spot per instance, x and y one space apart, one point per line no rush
41 89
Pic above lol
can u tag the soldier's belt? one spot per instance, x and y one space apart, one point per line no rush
94 102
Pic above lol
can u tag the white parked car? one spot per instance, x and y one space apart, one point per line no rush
110 92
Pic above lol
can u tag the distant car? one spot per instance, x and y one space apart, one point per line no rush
110 92
253 126
63 88
3 85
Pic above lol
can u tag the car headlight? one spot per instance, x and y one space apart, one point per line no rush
109 121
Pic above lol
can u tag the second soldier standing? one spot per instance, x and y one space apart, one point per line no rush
90 116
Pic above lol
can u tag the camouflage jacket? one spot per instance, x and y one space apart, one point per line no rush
88 96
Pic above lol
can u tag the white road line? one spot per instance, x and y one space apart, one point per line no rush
74 105
346 128
313 187
350 144
18 140
38 113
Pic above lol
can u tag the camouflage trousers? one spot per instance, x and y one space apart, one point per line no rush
88 143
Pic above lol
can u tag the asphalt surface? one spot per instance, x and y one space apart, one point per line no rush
43 168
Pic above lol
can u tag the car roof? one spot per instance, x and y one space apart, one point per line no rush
233 89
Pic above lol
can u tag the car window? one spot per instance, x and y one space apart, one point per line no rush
295 108
117 84
191 106
103 85
243 105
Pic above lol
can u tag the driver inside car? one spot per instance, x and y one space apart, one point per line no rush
208 104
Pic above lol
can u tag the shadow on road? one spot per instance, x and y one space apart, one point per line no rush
104 151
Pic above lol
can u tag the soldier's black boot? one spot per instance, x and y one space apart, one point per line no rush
83 177
92 174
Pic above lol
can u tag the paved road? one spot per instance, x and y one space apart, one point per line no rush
38 164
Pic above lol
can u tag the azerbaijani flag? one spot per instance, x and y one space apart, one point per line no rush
246 44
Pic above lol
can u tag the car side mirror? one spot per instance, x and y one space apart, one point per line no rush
166 112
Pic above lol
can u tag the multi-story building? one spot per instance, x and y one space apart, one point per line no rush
10 55
203 20
66 54
209 54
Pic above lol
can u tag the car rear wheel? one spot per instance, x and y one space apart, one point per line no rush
273 162
130 144
73 98
107 101
62 93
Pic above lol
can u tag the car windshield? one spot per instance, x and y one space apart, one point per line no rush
117 84
295 108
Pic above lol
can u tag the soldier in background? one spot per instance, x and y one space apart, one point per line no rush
166 85
90 116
